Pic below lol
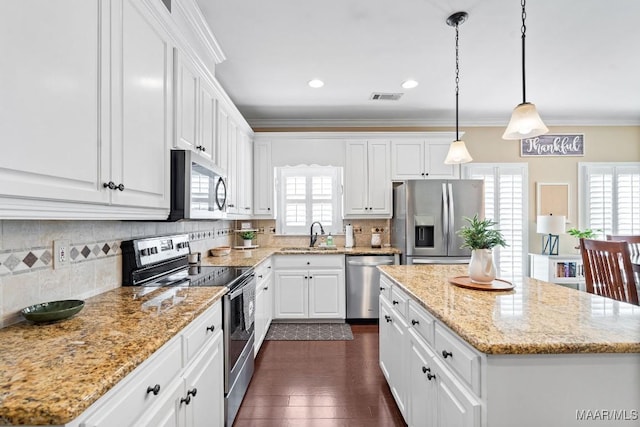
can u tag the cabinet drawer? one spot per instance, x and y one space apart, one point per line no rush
262 271
399 301
422 322
134 395
459 357
200 330
309 261
385 287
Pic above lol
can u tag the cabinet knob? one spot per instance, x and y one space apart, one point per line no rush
186 400
155 389
395 302
388 318
110 185
211 328
231 205
426 174
121 187
305 277
425 369
260 276
382 289
308 263
446 354
192 392
204 150
268 209
414 322
430 376
422 174
266 288
310 277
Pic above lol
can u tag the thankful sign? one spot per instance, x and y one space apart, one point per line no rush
553 145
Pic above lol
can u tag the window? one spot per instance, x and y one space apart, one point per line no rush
505 201
610 197
307 194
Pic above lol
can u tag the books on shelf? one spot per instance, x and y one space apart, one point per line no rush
569 269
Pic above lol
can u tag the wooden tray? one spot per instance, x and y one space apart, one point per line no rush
496 285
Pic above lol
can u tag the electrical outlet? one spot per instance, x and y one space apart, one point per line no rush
61 256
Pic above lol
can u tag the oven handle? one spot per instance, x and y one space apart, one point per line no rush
238 291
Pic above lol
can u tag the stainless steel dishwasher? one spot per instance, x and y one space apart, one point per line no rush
363 284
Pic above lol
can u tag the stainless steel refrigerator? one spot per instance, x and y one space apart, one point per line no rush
427 214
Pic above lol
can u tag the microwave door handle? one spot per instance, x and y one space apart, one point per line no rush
445 216
452 219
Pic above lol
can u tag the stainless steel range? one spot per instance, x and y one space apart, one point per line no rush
163 261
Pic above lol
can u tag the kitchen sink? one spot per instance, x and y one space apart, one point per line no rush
309 249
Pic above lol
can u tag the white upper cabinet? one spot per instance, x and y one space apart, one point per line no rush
89 90
367 186
262 180
421 159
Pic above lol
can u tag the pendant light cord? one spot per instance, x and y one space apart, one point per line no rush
457 80
523 29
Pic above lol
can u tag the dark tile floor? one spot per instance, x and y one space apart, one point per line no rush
320 383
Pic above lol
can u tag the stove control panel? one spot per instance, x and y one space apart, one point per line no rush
159 249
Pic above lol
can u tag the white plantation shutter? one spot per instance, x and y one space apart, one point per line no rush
610 197
307 194
506 198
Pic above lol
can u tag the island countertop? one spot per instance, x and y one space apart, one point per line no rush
51 373
535 318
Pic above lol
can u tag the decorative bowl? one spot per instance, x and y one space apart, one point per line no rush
52 311
220 251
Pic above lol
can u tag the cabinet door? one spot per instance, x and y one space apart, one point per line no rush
422 386
456 407
356 200
186 101
385 350
326 294
435 153
208 112
262 179
54 92
167 413
222 140
232 167
399 361
291 294
259 319
142 110
245 173
205 381
379 178
407 159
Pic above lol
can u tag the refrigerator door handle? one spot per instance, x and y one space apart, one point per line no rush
452 220
445 216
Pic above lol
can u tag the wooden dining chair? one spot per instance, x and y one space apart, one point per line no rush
632 241
608 271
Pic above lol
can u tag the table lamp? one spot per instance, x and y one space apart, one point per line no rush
551 226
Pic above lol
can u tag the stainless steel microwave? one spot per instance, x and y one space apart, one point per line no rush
198 188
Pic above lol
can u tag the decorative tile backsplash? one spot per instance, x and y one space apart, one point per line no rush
27 274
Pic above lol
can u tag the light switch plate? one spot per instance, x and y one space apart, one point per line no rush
61 256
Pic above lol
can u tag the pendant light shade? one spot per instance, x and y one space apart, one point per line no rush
458 152
525 121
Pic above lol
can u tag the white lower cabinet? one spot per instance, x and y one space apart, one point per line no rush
180 385
424 383
264 302
309 287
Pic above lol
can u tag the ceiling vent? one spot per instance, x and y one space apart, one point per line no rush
377 96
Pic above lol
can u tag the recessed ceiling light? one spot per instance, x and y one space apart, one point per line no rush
316 83
409 84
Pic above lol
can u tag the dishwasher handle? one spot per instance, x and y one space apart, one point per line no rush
370 264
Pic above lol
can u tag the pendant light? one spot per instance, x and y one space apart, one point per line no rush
457 150
525 121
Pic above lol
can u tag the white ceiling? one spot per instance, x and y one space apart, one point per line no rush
583 60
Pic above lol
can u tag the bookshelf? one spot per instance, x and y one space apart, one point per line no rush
565 270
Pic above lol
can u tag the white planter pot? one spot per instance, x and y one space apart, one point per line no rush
481 268
247 242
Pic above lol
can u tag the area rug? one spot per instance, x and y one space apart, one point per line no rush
309 332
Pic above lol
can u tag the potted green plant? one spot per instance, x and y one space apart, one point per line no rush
247 237
481 237
583 234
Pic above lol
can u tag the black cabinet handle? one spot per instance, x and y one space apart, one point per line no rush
155 389
110 185
192 392
211 328
430 376
425 369
185 400
382 289
121 187
268 209
446 354
310 277
415 322
305 277
426 174
266 288
308 263
260 276
395 302
388 318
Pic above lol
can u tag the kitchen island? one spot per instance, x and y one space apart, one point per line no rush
540 354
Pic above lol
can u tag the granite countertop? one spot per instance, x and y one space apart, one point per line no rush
252 257
51 373
535 318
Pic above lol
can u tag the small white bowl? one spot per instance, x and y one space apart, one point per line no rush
220 251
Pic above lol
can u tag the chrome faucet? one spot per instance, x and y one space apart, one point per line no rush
314 237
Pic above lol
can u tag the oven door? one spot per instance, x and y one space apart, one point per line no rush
238 327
